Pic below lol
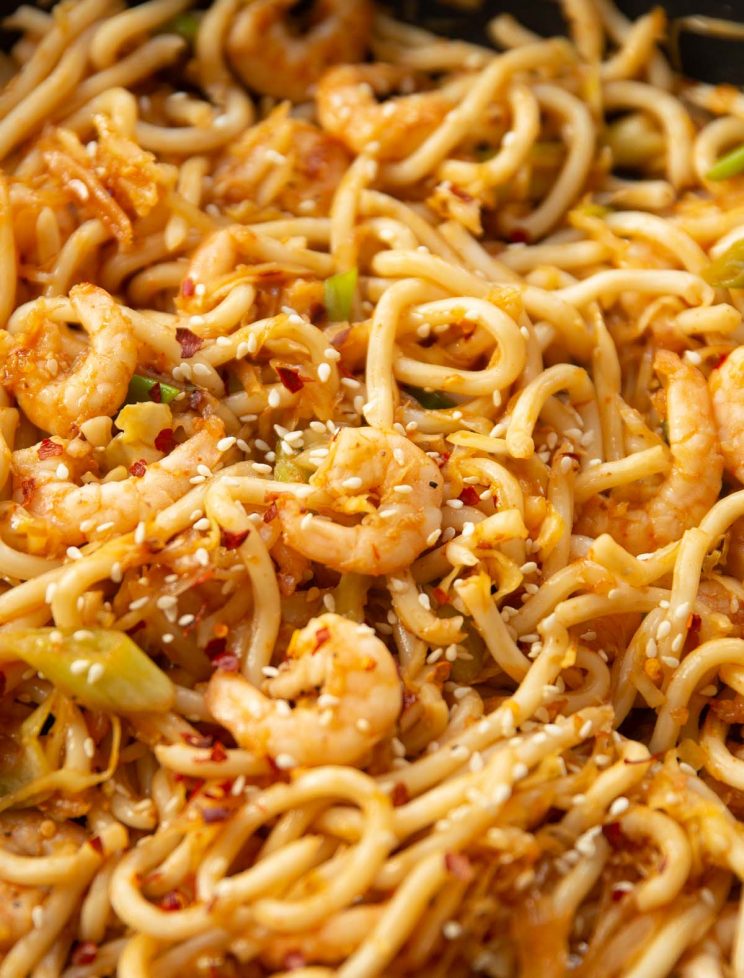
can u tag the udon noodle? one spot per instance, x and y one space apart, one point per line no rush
371 539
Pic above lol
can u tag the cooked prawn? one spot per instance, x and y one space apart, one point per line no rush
694 480
59 390
359 701
311 160
727 392
348 108
27 833
389 480
110 508
271 58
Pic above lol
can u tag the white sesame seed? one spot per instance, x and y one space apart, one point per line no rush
167 638
275 398
324 372
682 611
285 761
62 472
89 747
403 489
186 620
619 806
95 672
451 928
353 482
663 630
226 443
79 666
586 729
139 533
166 601
50 591
363 725
201 370
202 524
671 661
677 642
329 602
519 771
424 600
433 537
261 467
204 470
139 603
201 556
74 553
455 503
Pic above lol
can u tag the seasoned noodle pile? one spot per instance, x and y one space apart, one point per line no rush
371 532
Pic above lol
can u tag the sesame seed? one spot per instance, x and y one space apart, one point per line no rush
167 638
74 553
404 489
468 529
425 601
202 524
166 601
324 372
451 929
186 620
226 443
329 602
500 794
519 771
62 472
363 725
138 603
434 656
201 556
663 630
586 729
261 467
652 649
95 672
204 470
455 503
139 533
201 370
89 747
274 398
79 666
619 806
682 611
353 482
677 643
50 591
285 761
671 661
565 464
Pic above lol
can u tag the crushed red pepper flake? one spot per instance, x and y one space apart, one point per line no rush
85 952
400 794
138 468
188 288
188 341
458 864
96 843
291 379
271 513
165 441
231 541
48 449
469 496
321 637
226 662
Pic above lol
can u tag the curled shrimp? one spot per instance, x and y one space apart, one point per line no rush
29 834
358 704
727 392
271 57
348 109
694 480
109 508
389 480
59 388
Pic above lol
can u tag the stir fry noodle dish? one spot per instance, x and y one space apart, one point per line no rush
371 497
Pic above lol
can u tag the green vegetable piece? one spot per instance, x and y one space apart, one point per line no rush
141 389
727 271
104 670
339 291
431 400
730 165
186 25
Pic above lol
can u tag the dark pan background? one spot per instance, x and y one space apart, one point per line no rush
710 59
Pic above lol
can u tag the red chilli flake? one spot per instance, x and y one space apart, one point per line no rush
519 236
49 448
165 441
291 379
458 864
720 361
172 901
189 341
85 953
219 753
400 794
440 595
321 637
188 288
96 844
138 468
231 541
156 393
469 496
226 662
294 960
613 833
271 513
